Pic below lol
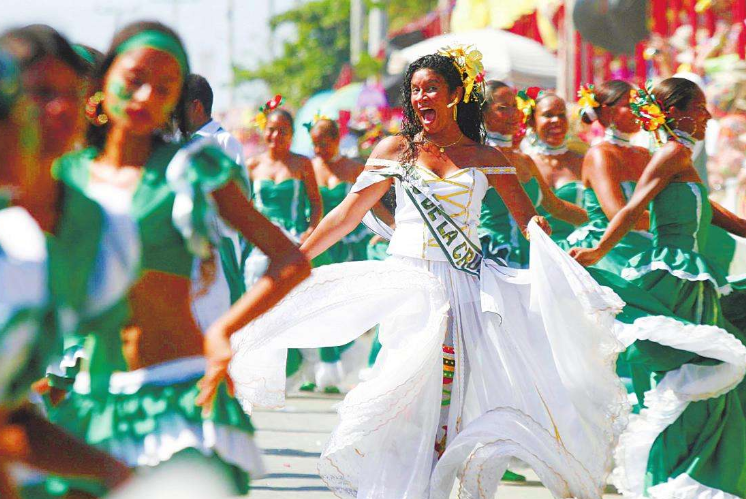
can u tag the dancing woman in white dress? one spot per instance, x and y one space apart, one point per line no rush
480 363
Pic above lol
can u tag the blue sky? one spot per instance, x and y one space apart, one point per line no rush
202 23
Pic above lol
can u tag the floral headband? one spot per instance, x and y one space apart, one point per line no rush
468 61
316 118
588 102
526 101
649 110
261 117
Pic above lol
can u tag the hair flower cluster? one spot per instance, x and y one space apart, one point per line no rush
261 117
587 101
648 110
526 101
468 61
316 118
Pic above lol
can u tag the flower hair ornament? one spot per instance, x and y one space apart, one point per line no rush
526 101
468 61
316 118
587 102
650 114
261 117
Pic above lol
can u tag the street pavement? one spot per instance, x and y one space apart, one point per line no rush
292 440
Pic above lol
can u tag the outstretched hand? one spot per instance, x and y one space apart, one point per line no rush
218 353
585 256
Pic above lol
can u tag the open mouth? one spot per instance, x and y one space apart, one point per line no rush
427 115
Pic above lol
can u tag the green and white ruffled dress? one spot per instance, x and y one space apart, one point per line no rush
148 416
688 440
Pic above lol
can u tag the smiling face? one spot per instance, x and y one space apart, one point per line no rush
325 141
141 90
550 120
693 119
430 99
58 93
502 115
278 134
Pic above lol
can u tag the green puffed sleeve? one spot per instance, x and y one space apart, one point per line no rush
197 170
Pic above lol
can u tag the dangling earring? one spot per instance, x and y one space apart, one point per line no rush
91 110
678 122
454 105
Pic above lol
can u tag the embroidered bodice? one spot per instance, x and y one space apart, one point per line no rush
460 194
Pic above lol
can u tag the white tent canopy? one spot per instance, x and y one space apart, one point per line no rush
514 59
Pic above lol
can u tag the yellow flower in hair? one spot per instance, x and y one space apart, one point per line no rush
587 97
260 120
655 116
468 61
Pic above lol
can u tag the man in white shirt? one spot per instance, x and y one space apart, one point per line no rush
213 302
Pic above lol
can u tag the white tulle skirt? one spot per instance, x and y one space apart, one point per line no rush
535 373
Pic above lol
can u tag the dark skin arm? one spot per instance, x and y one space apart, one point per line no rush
670 161
727 220
600 173
558 207
49 448
287 268
511 191
314 197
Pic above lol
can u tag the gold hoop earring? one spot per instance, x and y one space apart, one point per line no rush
694 123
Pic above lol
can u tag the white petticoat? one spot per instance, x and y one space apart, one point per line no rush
535 376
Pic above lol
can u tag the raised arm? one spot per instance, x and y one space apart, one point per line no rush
314 197
560 208
599 171
287 268
669 161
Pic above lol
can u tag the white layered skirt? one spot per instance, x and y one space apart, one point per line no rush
535 373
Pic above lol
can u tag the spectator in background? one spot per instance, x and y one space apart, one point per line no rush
200 122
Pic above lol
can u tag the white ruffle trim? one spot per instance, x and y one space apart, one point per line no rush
634 272
233 446
684 486
668 400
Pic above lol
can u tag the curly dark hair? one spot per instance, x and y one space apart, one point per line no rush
470 119
96 135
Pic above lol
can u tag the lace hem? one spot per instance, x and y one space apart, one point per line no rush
668 400
685 487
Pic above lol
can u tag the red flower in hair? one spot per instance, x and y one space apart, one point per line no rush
533 92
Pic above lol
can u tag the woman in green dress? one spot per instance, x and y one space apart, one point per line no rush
610 173
149 411
688 441
335 175
284 190
55 252
498 232
560 166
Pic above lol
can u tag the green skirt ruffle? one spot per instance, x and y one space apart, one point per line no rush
703 445
590 234
150 426
665 270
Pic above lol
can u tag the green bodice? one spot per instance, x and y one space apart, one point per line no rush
500 235
593 206
572 192
354 246
165 248
680 216
284 203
